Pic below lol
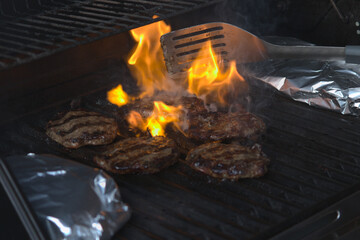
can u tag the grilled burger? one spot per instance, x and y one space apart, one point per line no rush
218 126
138 155
79 128
228 161
145 106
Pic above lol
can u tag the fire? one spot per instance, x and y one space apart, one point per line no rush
148 68
156 123
209 76
118 96
146 62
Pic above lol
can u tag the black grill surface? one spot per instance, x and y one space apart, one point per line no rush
34 29
315 161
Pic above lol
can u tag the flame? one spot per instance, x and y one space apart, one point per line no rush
118 96
146 62
208 75
156 123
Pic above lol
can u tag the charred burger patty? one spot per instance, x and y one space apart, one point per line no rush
228 161
145 106
138 155
218 126
79 128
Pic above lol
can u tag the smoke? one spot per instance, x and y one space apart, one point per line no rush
260 17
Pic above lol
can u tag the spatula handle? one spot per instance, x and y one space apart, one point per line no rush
306 52
352 54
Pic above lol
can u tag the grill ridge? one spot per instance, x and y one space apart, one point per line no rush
54 26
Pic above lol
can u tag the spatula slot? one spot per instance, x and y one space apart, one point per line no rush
198 32
199 56
196 50
199 41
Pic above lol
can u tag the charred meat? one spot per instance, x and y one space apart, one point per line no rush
228 161
218 126
145 106
138 155
79 128
193 105
183 143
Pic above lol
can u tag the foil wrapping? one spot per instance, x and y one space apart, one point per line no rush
329 85
71 200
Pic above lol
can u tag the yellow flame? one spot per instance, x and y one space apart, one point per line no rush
118 96
156 123
208 75
135 120
146 62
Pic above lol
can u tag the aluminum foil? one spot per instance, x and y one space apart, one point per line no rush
328 85
71 200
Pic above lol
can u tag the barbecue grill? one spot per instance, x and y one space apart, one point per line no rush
61 54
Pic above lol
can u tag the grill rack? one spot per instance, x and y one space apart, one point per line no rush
309 171
34 29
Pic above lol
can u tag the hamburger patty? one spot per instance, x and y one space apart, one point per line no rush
79 128
218 126
145 106
138 155
228 161
183 143
193 105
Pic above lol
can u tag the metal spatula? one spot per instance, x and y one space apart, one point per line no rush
181 47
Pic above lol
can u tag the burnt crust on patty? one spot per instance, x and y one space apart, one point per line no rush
138 155
218 126
228 161
145 106
79 128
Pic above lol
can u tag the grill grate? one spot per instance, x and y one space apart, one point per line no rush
314 154
33 29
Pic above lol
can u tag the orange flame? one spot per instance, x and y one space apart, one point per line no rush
156 123
207 76
118 96
146 62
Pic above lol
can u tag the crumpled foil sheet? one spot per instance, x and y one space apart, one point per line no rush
331 85
328 85
71 200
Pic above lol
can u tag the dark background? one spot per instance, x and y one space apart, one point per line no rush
314 21
311 20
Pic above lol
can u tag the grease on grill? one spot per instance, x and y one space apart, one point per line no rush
79 128
138 155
